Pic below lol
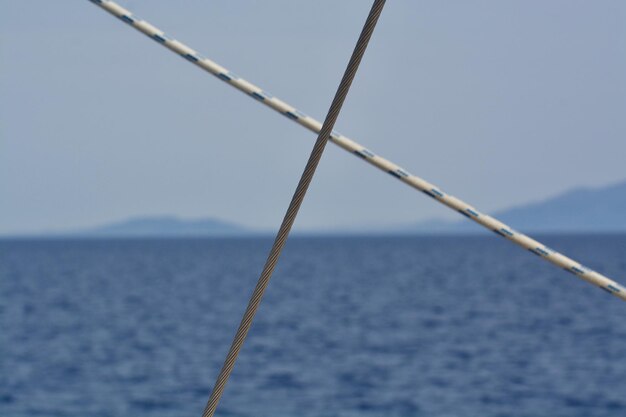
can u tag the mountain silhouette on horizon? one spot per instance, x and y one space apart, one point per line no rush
166 226
585 210
580 210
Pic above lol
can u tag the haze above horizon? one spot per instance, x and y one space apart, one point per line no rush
497 103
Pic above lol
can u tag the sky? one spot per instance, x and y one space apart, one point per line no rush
496 102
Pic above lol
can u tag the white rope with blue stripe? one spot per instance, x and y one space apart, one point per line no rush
351 146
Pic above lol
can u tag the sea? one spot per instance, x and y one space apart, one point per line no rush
448 326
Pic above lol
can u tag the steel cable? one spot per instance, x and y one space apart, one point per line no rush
294 206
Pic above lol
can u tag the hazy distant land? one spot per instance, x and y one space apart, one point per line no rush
166 226
581 210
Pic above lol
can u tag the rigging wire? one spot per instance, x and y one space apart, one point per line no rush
294 206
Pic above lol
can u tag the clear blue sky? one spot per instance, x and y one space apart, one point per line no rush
497 102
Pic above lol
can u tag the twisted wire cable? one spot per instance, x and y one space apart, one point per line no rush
420 184
294 206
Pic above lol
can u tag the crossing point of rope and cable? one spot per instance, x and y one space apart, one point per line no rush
292 113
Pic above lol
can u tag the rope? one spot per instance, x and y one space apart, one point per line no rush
294 206
355 148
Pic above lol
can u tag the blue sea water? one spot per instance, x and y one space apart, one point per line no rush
349 327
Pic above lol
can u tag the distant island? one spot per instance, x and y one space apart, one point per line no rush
581 210
166 226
